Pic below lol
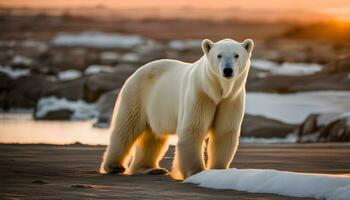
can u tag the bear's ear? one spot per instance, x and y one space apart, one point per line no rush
248 44
206 46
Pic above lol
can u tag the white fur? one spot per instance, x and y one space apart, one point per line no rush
192 100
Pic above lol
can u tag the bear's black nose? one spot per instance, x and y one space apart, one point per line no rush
228 72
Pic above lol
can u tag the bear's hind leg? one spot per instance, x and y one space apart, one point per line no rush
149 151
127 127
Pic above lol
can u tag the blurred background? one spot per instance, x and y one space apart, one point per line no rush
63 63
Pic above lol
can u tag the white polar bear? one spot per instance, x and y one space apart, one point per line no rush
192 100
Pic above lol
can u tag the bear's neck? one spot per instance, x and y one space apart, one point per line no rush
208 81
215 87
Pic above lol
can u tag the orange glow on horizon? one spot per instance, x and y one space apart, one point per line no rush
248 4
337 9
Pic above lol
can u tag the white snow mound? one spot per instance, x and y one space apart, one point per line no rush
319 186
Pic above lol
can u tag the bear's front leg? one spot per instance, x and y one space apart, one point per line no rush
189 150
197 117
222 148
224 138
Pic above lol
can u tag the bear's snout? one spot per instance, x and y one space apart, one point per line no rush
228 72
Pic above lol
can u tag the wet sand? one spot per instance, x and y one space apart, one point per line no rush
70 172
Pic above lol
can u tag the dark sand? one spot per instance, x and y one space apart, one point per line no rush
70 172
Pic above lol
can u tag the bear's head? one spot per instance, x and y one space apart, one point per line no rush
227 58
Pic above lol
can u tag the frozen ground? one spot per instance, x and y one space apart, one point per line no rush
71 172
319 186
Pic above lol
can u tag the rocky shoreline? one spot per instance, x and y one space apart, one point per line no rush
83 70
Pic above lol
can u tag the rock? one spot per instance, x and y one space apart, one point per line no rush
326 127
6 83
81 186
287 84
39 182
64 114
261 127
309 125
23 92
336 131
105 105
98 84
72 90
53 108
340 64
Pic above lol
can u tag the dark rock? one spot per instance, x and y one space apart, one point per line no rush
327 127
105 106
309 125
287 84
80 186
71 90
340 64
39 182
23 92
336 131
258 126
6 83
63 114
99 84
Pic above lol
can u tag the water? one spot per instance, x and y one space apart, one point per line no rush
21 128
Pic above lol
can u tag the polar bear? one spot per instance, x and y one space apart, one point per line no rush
192 100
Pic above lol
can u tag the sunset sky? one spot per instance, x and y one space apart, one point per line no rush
338 8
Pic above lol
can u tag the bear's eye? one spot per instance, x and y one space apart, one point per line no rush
219 56
236 56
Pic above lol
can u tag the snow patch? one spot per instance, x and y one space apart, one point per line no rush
149 46
294 108
95 69
97 40
70 74
110 56
42 46
81 110
290 69
184 44
22 60
14 73
131 57
291 138
319 186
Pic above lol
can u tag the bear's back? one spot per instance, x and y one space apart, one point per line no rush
162 81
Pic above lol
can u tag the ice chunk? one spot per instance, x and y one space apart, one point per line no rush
319 186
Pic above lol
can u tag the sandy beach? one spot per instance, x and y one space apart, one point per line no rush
70 172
